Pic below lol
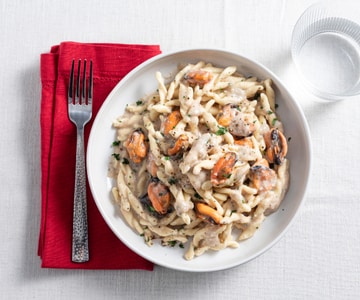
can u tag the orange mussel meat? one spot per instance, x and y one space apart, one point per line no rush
238 123
276 146
171 121
225 116
182 143
198 77
262 176
159 195
223 168
207 213
136 146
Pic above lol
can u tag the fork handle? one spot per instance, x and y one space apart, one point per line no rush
80 248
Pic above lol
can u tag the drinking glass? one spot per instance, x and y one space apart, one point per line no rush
325 47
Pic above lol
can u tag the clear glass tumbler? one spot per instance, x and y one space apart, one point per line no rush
325 47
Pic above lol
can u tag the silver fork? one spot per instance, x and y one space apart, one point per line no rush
80 96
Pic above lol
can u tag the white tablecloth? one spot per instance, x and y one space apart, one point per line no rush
318 258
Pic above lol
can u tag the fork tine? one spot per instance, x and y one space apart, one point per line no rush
90 89
83 88
71 83
77 92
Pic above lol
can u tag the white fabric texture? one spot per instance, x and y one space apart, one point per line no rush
319 256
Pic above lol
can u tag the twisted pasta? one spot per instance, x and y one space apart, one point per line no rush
210 159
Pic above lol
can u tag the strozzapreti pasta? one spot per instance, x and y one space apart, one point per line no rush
202 161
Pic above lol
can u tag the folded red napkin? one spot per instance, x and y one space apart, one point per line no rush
111 62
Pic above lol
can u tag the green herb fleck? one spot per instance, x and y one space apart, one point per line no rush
125 161
221 131
171 243
172 180
166 157
274 121
139 102
151 208
226 175
116 143
116 156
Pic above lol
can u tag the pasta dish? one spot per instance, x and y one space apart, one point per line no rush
202 161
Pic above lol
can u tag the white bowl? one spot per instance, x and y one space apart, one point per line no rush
141 81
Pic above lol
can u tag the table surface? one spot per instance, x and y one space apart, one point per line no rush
318 258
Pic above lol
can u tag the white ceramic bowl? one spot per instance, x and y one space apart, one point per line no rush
141 81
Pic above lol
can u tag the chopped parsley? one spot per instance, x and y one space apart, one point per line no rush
171 243
172 180
116 143
116 156
226 175
139 102
150 208
125 161
221 131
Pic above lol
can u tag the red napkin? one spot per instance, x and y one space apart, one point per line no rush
111 62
